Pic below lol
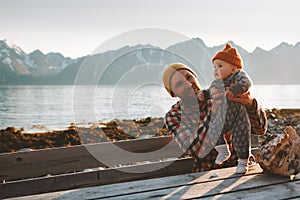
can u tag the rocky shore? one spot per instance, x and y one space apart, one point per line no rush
13 139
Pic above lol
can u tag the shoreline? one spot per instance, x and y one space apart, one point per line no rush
13 139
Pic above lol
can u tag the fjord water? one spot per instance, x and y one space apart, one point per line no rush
52 107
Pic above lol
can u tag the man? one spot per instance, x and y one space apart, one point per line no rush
188 120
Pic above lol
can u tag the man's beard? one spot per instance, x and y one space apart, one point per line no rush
190 98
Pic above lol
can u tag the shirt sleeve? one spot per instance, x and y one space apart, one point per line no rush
258 118
191 140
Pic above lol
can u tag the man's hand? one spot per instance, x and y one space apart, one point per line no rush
245 99
217 94
201 96
217 98
228 93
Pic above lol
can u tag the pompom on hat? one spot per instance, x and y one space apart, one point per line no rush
230 55
169 72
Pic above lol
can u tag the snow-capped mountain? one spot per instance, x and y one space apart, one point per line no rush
14 57
34 64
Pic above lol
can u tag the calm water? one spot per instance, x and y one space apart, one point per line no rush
49 107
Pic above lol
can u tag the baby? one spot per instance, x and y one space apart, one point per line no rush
233 80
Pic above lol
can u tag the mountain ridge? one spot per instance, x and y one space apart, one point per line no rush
279 65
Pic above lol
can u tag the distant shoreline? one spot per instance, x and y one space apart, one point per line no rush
39 128
13 139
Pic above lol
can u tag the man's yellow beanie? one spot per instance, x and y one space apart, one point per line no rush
168 73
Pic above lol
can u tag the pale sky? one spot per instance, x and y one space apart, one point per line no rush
77 27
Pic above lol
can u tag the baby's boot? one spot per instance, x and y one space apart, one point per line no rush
242 166
223 153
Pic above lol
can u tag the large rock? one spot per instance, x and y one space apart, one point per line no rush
281 154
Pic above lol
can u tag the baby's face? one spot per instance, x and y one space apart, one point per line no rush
222 69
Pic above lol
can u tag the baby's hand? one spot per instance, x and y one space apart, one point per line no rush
245 99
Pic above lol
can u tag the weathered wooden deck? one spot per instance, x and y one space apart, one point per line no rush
73 173
214 184
57 169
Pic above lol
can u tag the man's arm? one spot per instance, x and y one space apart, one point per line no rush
258 118
191 140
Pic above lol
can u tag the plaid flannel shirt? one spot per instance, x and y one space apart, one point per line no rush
258 119
189 126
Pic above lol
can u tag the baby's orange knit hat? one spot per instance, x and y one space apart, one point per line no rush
230 55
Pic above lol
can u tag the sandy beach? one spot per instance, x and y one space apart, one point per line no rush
13 139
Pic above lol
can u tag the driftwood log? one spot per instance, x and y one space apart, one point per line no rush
281 154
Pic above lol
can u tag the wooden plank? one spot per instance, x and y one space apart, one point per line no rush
227 188
19 165
155 188
136 188
286 190
14 166
251 186
100 177
201 189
